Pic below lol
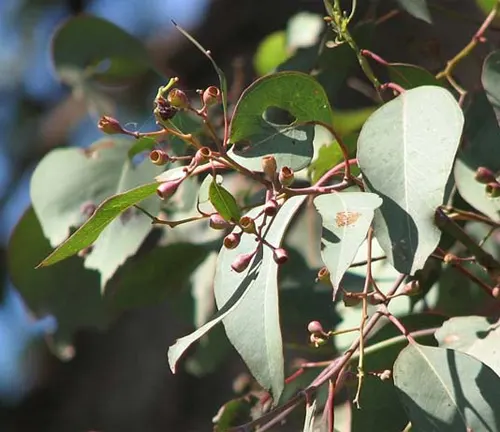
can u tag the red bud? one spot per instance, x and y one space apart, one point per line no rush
242 261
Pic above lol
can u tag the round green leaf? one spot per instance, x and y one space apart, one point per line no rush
255 136
406 151
410 76
105 51
446 390
60 189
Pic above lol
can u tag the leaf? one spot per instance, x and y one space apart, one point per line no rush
491 80
254 135
141 145
346 219
480 148
331 155
474 335
405 152
67 181
410 76
255 329
69 292
445 390
271 52
348 121
224 202
106 52
417 8
235 412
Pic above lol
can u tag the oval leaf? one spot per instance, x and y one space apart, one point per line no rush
410 76
417 8
346 219
255 136
447 391
406 151
255 330
491 80
224 202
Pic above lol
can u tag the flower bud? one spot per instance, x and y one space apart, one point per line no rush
484 175
109 125
280 256
324 275
247 224
211 96
201 156
159 157
271 207
412 288
286 176
218 222
493 189
495 292
351 300
242 261
178 99
167 189
232 240
269 166
315 327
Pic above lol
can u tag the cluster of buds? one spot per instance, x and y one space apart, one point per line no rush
317 336
487 177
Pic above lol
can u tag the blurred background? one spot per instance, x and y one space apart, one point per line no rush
119 381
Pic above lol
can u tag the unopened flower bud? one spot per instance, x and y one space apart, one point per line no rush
241 262
271 207
269 166
484 175
412 288
315 327
109 125
324 275
159 157
232 240
351 299
493 189
218 222
167 189
178 99
495 292
286 176
211 96
247 224
280 256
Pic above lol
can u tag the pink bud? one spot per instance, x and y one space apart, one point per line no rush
271 207
218 222
242 261
315 327
269 166
109 125
168 188
232 240
212 96
280 256
484 175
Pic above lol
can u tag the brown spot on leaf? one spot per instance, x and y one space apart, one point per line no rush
346 218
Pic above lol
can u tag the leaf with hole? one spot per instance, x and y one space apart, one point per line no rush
346 218
414 138
255 330
445 390
282 95
224 202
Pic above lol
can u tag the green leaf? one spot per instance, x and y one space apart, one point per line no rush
445 390
69 292
224 202
491 80
480 149
331 155
61 189
405 152
254 135
255 329
474 335
410 76
271 52
106 52
417 8
348 121
346 219
235 412
141 145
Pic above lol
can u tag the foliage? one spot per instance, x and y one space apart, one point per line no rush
405 196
